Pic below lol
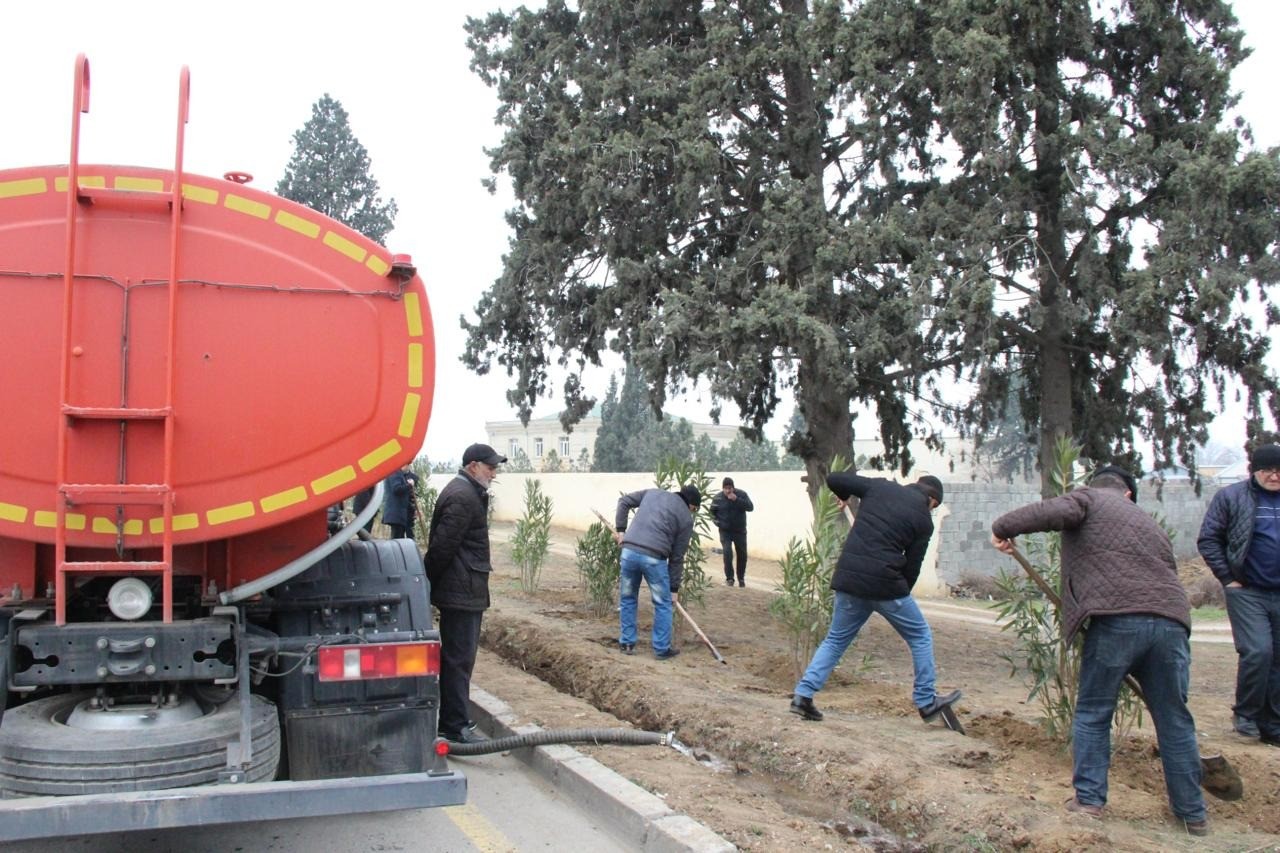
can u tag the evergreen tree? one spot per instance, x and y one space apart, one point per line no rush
329 172
742 454
864 203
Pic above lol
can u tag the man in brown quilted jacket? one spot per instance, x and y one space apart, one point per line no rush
1119 576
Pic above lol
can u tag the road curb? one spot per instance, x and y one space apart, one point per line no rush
626 807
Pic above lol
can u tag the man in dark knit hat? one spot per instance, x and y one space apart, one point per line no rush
1240 542
1119 575
875 573
653 548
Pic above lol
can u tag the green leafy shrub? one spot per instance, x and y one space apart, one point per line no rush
804 600
532 537
598 558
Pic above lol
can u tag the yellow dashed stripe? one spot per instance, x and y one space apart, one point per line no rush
415 365
240 204
413 314
372 460
232 512
186 521
204 195
297 223
27 186
103 525
13 512
377 265
331 481
44 518
343 245
280 500
482 834
133 527
153 185
409 416
60 184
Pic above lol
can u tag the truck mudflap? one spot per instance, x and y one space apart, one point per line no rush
210 805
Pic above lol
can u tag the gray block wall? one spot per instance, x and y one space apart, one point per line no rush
964 535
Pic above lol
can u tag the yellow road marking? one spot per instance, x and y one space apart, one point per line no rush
476 827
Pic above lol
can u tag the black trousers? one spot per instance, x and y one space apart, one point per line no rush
729 542
459 642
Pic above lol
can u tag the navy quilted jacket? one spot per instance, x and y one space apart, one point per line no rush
884 549
1227 531
1115 558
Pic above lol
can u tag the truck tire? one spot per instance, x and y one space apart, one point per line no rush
40 755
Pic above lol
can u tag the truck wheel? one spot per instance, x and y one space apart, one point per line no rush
40 754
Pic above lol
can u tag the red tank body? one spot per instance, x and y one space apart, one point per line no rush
303 361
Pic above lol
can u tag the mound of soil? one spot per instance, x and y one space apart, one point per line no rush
871 775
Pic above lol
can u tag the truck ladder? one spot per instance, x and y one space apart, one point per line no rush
122 493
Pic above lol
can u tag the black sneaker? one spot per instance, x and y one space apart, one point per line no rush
667 654
804 707
627 648
728 581
1244 726
934 708
470 734
741 582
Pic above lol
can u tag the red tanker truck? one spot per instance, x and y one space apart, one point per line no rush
193 371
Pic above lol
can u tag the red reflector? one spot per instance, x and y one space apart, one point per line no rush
442 747
382 660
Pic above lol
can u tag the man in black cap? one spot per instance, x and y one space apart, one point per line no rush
729 511
875 573
1240 542
1119 576
458 567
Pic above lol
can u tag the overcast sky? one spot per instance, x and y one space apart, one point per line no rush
401 71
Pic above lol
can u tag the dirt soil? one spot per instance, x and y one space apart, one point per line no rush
872 775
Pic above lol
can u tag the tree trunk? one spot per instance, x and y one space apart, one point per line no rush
1055 366
830 428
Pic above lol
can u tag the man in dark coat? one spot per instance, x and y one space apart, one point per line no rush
875 573
359 502
1240 542
1119 574
400 505
729 511
458 567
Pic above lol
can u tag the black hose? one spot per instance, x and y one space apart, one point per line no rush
546 737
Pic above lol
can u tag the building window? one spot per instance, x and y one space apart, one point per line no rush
537 448
564 447
515 446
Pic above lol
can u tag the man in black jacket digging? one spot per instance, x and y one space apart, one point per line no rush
458 567
875 573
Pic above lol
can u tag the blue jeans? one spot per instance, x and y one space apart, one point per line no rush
1156 651
848 615
1255 627
636 565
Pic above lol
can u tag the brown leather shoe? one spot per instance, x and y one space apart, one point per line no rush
1074 805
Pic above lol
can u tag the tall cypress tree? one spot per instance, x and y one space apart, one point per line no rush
329 172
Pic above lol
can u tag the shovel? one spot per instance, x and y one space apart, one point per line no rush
1217 776
714 651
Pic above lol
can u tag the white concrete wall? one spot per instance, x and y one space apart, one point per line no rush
781 500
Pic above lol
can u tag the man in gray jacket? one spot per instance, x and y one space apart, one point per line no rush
653 548
1119 574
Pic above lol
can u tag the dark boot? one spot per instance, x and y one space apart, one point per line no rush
804 707
934 708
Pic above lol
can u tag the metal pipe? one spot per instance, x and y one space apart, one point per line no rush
296 567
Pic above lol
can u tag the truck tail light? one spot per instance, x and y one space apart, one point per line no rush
386 660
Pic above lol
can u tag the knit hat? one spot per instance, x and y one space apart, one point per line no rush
1116 471
691 495
728 483
1264 456
931 486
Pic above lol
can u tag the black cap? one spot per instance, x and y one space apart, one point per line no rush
931 486
728 483
691 495
1116 471
1264 456
482 453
